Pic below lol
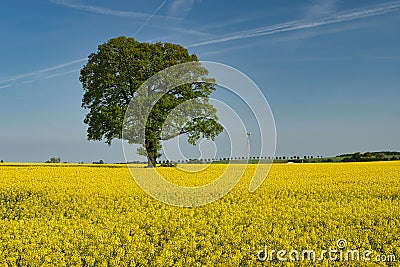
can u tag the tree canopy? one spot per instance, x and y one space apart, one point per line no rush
111 79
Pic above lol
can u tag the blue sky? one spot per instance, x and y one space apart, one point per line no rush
329 69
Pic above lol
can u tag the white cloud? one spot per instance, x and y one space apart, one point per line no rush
320 8
283 39
267 30
180 8
106 11
302 24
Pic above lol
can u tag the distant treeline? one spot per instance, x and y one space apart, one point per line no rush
370 156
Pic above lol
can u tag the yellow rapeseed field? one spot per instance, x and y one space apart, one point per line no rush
96 215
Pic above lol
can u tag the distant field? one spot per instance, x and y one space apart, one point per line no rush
95 215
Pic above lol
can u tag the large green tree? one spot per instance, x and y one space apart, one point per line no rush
111 79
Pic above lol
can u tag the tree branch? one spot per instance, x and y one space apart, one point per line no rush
168 137
125 96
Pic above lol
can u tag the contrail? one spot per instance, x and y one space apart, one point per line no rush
62 65
5 86
300 24
90 9
106 11
83 59
268 30
149 18
25 75
61 74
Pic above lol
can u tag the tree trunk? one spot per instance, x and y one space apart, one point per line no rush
151 160
151 154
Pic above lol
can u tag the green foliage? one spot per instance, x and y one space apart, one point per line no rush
373 154
54 160
112 77
370 156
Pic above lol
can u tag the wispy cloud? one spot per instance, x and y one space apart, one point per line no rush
5 86
301 24
279 39
137 15
17 84
180 8
320 8
62 65
268 30
27 82
106 11
62 73
34 73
